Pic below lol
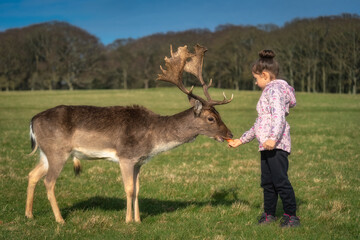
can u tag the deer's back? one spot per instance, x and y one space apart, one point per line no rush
94 118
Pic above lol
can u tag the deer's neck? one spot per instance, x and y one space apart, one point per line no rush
180 127
170 132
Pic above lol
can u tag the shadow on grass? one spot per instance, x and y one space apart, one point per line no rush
153 207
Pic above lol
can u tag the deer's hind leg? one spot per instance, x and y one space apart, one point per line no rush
136 192
57 160
34 176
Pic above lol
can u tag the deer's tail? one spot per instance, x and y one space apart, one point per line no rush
34 144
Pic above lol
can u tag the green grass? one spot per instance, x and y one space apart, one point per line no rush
200 190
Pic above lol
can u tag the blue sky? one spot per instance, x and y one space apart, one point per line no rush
113 19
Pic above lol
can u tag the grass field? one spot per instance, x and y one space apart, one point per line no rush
200 190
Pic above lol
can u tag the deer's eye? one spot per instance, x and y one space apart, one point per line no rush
211 119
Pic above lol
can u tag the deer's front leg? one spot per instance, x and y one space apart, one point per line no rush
127 172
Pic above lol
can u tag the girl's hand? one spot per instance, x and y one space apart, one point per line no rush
234 143
269 144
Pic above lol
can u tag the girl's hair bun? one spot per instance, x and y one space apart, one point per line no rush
267 54
266 62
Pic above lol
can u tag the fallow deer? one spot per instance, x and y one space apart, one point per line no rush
128 135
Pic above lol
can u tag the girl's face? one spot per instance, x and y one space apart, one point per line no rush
262 79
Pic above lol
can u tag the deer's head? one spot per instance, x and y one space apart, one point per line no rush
207 119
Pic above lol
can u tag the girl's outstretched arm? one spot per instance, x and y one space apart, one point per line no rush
249 135
245 138
235 143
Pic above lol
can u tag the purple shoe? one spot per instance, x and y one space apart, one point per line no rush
289 221
266 219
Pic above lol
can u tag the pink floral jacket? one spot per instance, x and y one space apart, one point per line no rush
273 106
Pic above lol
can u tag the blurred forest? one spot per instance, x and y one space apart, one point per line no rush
315 55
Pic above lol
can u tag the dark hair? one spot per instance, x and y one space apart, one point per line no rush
266 62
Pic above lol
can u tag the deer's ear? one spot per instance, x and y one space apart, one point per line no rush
197 108
192 101
196 104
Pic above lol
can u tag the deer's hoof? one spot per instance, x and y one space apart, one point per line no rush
60 221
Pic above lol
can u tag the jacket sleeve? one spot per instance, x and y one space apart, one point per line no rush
248 136
277 110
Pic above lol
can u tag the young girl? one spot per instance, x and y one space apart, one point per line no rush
273 133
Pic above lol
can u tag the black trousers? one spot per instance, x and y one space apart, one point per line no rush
275 181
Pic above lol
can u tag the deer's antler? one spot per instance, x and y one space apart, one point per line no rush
178 63
174 68
194 66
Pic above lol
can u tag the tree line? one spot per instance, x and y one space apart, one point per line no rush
315 55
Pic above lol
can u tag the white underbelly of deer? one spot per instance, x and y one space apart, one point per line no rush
162 147
93 154
110 154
